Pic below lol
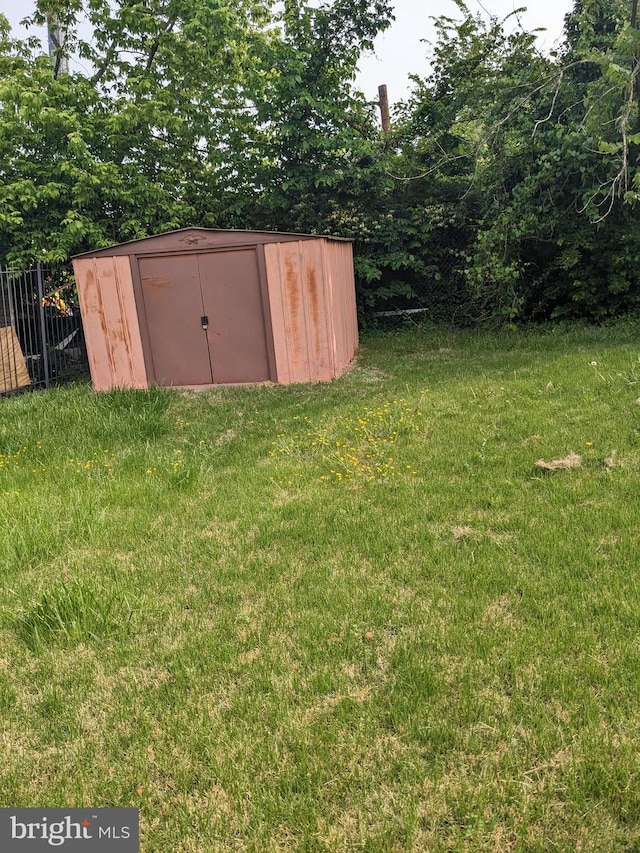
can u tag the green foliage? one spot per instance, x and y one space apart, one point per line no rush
505 191
204 113
72 613
315 130
533 163
143 142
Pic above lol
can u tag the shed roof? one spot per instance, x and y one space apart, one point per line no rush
190 239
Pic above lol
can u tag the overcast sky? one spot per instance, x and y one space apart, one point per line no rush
401 51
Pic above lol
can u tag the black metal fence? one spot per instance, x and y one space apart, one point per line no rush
41 337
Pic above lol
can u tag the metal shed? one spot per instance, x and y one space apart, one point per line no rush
199 307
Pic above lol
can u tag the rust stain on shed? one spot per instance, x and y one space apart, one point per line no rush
312 293
292 296
157 282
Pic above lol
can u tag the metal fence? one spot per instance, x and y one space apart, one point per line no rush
41 337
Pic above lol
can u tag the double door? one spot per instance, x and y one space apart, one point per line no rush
205 317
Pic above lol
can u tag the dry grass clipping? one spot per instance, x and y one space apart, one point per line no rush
461 532
572 460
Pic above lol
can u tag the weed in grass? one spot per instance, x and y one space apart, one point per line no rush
34 459
7 696
355 446
72 613
631 376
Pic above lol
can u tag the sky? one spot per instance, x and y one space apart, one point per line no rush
402 50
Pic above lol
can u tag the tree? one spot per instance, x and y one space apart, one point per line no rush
533 160
87 159
505 190
189 112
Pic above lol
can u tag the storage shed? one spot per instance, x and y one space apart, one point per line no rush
200 307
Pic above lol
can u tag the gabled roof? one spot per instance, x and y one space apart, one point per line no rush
191 239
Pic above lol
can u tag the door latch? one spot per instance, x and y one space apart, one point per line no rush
205 322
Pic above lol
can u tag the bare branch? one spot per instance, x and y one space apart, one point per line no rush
156 44
108 58
429 171
553 104
619 183
112 52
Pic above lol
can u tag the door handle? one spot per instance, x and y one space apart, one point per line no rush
204 320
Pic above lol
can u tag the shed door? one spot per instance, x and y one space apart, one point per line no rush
233 303
173 305
179 291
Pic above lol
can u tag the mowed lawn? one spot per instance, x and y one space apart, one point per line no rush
354 616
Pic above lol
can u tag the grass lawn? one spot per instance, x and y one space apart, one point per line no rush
354 616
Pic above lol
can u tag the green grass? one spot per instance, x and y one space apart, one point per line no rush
353 616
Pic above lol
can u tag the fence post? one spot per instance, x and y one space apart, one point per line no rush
43 327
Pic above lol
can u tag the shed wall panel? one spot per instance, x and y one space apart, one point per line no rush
320 357
95 329
294 316
277 311
286 301
342 309
110 319
312 302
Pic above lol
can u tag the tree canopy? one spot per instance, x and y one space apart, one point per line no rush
506 188
186 112
525 168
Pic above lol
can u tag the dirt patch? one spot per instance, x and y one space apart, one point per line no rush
572 460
